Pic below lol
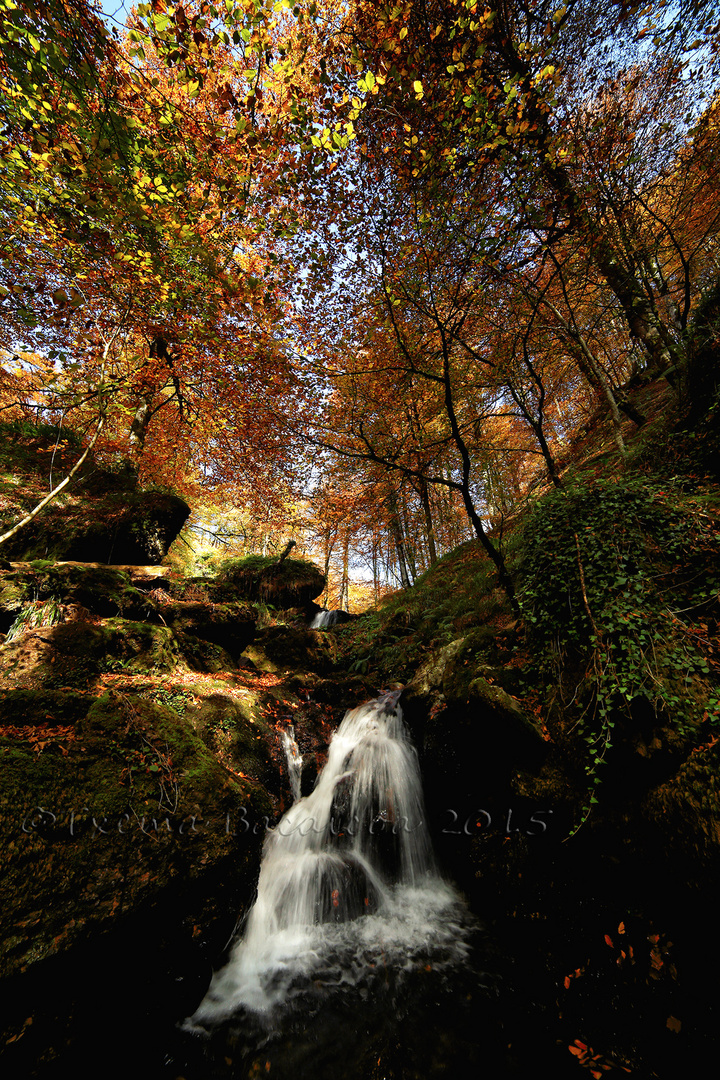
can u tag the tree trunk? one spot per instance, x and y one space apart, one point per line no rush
396 533
429 528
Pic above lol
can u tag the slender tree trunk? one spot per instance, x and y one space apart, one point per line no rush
429 527
396 533
329 545
495 554
410 546
345 591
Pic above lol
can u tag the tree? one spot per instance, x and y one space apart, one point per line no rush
488 92
150 208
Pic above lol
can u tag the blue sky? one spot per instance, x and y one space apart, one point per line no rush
116 10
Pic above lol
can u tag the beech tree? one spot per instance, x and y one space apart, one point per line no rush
482 89
146 207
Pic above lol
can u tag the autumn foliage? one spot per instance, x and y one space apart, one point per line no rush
378 266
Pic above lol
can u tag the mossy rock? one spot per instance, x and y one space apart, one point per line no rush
13 596
42 707
101 590
90 838
201 655
284 648
686 809
229 625
233 730
73 654
131 527
472 734
289 584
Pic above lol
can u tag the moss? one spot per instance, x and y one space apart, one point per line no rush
138 647
35 707
686 809
138 803
291 583
233 731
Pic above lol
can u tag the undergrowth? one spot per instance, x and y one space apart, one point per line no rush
620 578
35 614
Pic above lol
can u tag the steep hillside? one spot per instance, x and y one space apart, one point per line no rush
570 750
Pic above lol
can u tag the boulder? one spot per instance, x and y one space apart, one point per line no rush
134 527
231 626
473 735
293 583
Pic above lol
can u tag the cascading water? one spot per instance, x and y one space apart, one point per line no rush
350 906
325 619
294 760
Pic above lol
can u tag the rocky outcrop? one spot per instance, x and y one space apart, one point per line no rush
139 747
100 816
136 527
472 733
293 583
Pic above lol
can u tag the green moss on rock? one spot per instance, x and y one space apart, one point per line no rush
291 583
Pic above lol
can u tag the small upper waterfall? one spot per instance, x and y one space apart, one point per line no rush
325 619
348 880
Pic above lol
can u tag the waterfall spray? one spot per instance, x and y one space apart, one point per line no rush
347 877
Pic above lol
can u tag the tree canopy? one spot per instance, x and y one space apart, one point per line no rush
380 263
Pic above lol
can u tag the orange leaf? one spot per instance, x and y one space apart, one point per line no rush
673 1023
608 941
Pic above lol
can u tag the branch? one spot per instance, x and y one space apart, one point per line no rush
78 464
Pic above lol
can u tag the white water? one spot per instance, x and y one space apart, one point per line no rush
348 883
294 761
324 619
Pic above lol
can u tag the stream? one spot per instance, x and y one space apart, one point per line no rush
357 958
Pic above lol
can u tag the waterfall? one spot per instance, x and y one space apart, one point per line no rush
294 761
348 885
324 620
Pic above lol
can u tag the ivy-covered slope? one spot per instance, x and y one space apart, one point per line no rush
613 663
570 754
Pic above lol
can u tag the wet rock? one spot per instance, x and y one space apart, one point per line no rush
472 734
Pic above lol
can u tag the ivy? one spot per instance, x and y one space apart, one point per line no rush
617 576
